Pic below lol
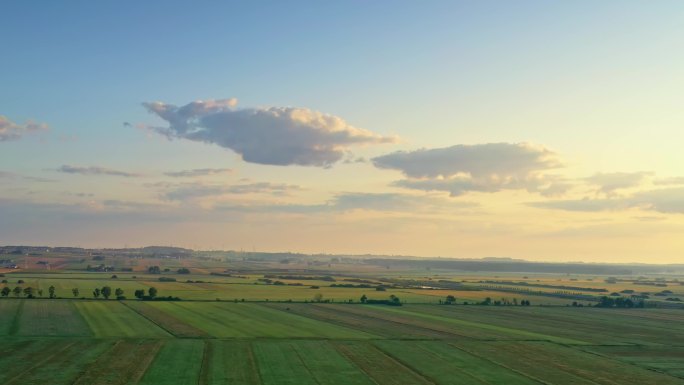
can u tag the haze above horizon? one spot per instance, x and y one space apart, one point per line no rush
544 131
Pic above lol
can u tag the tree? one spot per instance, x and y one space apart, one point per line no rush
106 292
183 271
118 292
5 291
40 292
318 297
154 270
152 292
17 291
96 293
450 299
51 291
28 292
139 293
75 292
364 298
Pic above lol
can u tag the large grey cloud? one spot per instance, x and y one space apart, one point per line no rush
93 170
272 135
487 167
665 200
12 131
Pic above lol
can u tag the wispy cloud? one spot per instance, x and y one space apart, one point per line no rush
190 191
12 131
665 200
487 167
273 135
199 172
92 170
609 183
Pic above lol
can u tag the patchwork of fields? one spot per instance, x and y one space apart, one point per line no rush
130 342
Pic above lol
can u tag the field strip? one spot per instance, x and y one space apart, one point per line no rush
367 364
539 380
148 318
616 359
16 321
417 370
203 377
41 362
426 331
538 336
255 363
308 369
568 374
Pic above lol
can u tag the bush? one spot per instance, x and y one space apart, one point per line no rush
167 279
121 297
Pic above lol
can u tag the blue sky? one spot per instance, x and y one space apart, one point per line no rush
597 84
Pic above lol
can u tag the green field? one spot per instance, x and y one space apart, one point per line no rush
269 322
132 342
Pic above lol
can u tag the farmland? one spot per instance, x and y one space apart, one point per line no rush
264 324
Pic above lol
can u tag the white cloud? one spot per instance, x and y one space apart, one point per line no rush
198 172
273 135
487 167
11 131
92 170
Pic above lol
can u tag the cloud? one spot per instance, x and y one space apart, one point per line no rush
669 181
487 167
608 183
352 201
273 135
12 131
190 191
666 200
198 172
95 171
11 175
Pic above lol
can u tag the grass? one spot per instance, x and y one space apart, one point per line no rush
305 362
229 362
445 364
228 320
555 364
51 318
124 363
49 361
178 362
165 320
380 367
112 319
9 312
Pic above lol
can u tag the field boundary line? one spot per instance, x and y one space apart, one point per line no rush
398 362
539 380
406 364
299 356
14 327
626 362
41 362
254 361
85 370
203 377
151 320
147 361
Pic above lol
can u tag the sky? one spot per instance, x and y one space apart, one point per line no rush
541 130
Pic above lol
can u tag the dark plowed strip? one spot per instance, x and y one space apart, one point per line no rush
166 321
125 363
385 326
379 366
